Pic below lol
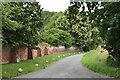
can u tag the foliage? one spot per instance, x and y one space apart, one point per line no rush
52 21
9 27
57 37
44 44
21 23
79 26
46 15
110 27
53 36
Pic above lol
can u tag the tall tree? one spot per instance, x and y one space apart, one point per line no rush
9 30
52 21
46 15
29 15
22 23
109 24
107 19
79 26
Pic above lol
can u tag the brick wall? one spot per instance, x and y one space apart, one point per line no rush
43 52
73 49
5 57
53 50
40 51
34 53
23 52
7 54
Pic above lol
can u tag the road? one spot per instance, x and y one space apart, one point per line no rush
69 67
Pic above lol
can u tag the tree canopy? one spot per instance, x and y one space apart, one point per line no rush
57 37
22 23
106 16
80 27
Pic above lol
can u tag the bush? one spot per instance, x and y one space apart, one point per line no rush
112 61
57 37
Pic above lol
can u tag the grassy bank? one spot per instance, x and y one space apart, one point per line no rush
11 69
96 61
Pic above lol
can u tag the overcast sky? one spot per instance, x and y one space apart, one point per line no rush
54 5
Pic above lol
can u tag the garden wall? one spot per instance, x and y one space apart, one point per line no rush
22 52
6 56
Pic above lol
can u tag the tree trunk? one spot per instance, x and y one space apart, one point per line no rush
30 55
14 57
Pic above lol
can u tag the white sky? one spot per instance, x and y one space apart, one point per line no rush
54 5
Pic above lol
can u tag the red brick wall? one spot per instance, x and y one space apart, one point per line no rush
44 50
60 50
5 57
23 52
34 53
40 51
51 50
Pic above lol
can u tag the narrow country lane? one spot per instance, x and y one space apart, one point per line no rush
70 67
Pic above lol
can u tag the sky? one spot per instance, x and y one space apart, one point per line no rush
54 5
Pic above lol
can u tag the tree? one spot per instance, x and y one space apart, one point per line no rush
46 15
9 27
22 23
29 15
107 19
52 35
110 27
9 30
52 21
57 37
79 26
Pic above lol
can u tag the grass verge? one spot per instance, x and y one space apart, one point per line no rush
96 61
11 69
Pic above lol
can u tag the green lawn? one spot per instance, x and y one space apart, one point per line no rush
96 61
11 69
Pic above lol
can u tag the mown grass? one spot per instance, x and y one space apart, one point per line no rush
11 69
96 61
